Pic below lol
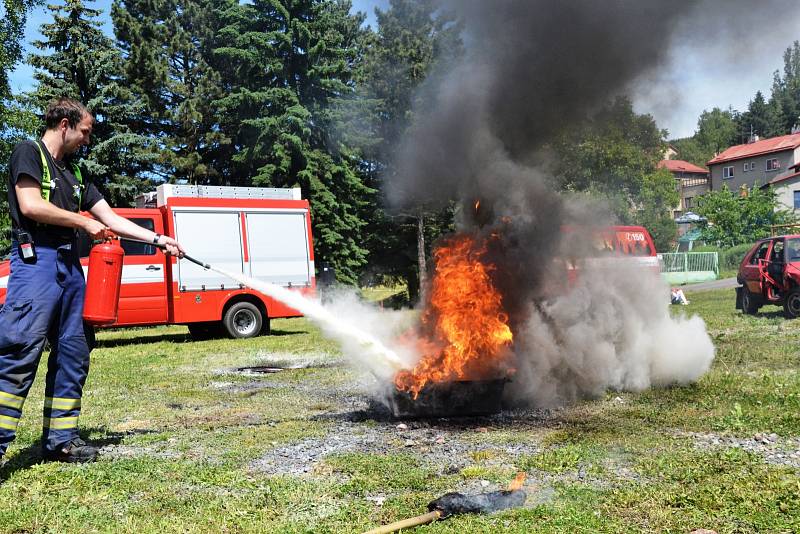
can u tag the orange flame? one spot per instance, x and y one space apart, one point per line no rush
468 334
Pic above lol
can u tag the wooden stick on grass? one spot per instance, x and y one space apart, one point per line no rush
406 523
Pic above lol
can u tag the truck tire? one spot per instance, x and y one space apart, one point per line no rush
791 304
749 303
243 320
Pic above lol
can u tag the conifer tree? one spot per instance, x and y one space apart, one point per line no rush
762 118
166 46
411 40
78 60
16 121
287 68
786 89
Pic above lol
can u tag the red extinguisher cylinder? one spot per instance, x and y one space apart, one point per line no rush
103 281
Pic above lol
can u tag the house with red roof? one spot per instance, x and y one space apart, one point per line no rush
691 181
761 161
787 188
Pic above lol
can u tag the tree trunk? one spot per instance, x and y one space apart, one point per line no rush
421 264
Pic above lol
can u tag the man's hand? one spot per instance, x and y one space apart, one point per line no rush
173 247
95 229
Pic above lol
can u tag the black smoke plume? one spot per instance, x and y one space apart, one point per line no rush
532 68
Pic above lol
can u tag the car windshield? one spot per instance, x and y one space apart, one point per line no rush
793 249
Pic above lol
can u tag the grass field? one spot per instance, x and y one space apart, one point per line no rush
192 444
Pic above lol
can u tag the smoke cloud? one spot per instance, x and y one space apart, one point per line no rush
613 332
532 68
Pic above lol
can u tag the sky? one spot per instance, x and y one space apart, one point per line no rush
702 71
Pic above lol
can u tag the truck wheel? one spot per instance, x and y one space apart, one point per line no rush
791 304
242 320
749 306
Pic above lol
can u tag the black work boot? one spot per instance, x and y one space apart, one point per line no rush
74 452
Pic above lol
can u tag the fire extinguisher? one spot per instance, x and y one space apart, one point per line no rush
103 281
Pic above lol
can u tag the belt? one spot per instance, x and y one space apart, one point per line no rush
50 241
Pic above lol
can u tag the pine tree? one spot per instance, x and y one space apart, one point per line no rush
786 88
412 38
287 68
16 121
81 62
166 47
761 118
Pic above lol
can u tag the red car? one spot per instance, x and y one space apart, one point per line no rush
770 274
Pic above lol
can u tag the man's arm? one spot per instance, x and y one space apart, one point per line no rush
34 207
125 228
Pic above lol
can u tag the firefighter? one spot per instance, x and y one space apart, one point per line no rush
44 300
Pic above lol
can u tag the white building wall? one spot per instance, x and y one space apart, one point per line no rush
785 193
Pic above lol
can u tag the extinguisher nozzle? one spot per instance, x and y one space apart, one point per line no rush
198 262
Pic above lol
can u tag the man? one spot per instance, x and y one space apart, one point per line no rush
46 287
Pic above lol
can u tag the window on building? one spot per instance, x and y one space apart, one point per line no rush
773 165
746 167
727 173
797 200
688 202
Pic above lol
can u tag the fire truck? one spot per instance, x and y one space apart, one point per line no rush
263 233
603 249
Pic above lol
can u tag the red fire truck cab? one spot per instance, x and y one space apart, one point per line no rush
606 248
262 233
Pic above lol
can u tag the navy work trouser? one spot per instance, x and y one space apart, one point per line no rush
44 301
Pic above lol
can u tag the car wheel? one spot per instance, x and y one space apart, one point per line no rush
791 304
749 306
243 320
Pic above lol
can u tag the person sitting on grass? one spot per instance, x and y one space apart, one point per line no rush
678 297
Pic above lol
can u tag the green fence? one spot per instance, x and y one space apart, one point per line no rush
689 267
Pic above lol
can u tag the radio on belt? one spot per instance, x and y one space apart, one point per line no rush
26 249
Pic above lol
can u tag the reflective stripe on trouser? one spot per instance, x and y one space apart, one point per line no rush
44 301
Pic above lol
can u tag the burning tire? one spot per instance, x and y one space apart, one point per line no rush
791 304
243 320
749 303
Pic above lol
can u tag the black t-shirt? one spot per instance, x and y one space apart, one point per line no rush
26 160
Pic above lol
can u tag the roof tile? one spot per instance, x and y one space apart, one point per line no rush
677 165
765 146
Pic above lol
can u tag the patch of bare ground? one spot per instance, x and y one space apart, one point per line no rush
774 449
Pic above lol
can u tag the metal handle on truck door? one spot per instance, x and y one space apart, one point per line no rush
152 268
164 247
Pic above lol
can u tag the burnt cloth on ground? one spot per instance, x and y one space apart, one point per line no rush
485 503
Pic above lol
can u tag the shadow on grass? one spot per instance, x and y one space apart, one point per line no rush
776 313
122 342
175 338
32 454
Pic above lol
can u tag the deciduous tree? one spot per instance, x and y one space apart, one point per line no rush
734 218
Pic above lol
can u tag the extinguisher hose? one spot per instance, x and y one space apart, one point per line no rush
164 247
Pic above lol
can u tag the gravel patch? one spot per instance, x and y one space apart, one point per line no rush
441 446
120 452
775 450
